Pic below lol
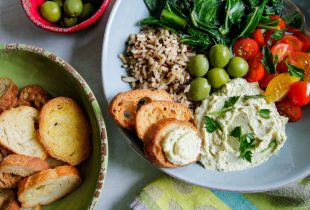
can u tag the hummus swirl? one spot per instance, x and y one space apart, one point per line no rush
220 150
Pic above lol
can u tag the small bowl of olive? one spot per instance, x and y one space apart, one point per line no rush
64 16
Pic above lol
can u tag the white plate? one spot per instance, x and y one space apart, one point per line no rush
290 164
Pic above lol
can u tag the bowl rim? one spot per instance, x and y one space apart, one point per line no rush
91 99
26 4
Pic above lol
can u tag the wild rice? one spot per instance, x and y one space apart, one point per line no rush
156 59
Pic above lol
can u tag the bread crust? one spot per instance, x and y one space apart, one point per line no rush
22 165
8 181
123 107
33 95
64 131
152 112
6 198
40 179
8 99
154 138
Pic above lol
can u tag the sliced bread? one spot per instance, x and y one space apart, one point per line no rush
13 206
124 106
18 131
22 165
64 131
48 186
38 207
173 130
8 94
6 198
8 181
33 95
157 110
3 153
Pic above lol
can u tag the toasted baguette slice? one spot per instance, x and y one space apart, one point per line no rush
157 110
8 181
38 207
33 95
6 198
22 165
8 94
3 153
48 186
53 163
158 133
18 132
65 131
13 206
124 106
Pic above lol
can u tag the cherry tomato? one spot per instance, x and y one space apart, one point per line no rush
304 39
263 83
257 35
299 93
292 29
293 41
281 21
288 109
281 50
267 38
256 71
279 86
246 48
300 60
281 66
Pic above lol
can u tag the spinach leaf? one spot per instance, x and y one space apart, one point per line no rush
278 34
155 6
264 113
251 4
197 38
296 20
231 101
295 71
172 16
212 125
268 23
269 61
154 21
274 7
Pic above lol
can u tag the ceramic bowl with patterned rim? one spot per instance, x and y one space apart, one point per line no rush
32 9
27 65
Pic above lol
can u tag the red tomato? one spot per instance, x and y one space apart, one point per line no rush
299 93
300 60
267 38
246 48
304 39
263 83
281 67
257 35
281 21
292 29
256 71
288 109
293 41
281 50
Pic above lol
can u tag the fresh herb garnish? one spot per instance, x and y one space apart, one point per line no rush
231 101
269 61
295 71
278 34
264 113
273 144
212 125
247 143
246 97
221 111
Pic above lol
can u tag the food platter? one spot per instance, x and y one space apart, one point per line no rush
290 164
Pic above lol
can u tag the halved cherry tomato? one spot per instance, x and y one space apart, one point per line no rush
263 83
281 50
299 93
279 86
281 21
288 109
293 41
304 39
281 67
267 38
292 29
300 60
246 48
256 71
257 35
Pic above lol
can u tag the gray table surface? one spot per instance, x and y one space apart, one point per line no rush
127 171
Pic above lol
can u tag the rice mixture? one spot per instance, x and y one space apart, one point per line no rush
156 59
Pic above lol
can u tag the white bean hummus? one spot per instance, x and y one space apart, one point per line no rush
220 149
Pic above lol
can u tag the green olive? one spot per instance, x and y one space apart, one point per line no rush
198 65
199 89
73 8
219 56
59 2
237 67
88 10
69 21
217 77
50 11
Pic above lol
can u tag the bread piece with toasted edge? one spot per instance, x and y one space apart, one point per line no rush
157 110
64 131
48 186
13 206
124 106
3 153
38 207
156 135
33 95
6 198
18 131
22 165
8 181
8 94
53 163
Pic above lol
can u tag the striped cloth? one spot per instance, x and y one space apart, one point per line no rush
170 194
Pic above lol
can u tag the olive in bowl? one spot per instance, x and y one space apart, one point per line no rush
64 15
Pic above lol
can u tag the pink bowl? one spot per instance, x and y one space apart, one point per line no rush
31 7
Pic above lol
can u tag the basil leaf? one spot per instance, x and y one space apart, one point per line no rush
246 97
278 34
231 101
264 113
269 61
273 144
212 125
236 132
295 71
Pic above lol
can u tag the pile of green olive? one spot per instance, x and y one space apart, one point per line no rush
217 76
68 12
